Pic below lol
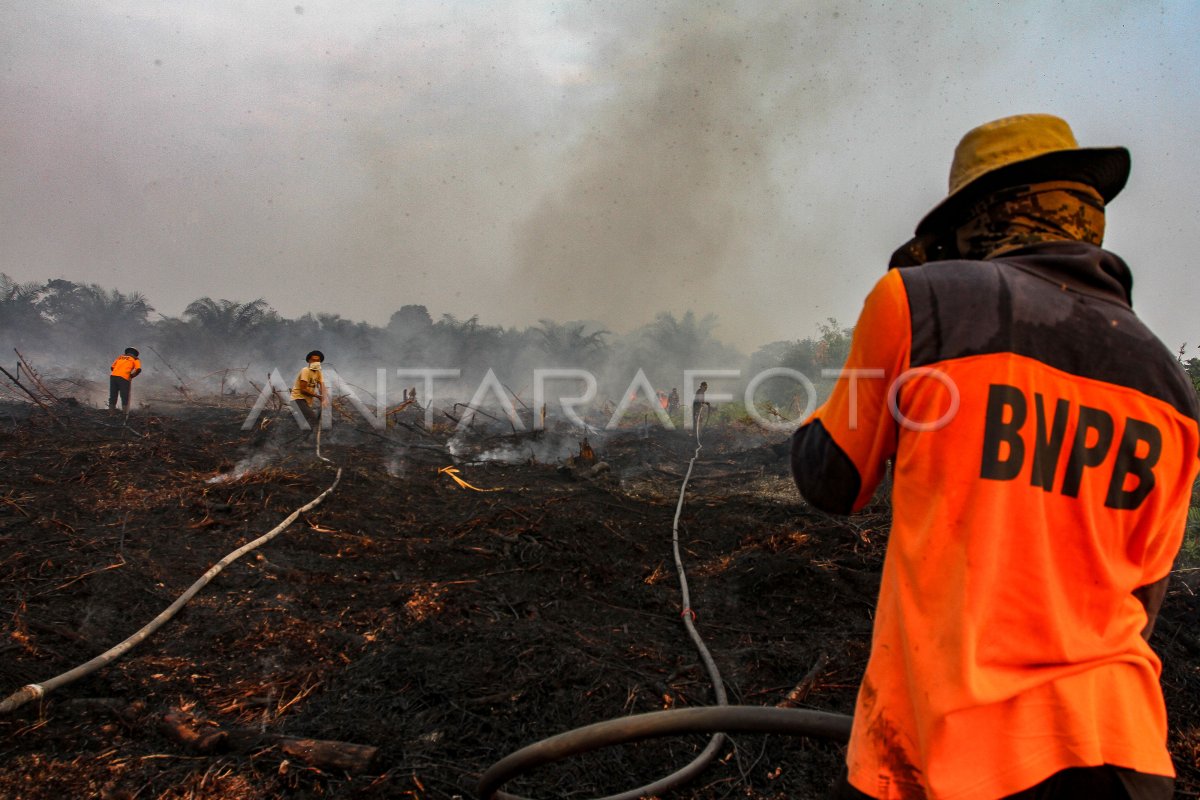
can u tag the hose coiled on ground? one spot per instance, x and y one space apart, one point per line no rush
718 720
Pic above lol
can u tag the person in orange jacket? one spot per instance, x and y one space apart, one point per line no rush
124 370
1043 446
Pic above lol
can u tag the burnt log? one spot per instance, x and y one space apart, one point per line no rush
328 753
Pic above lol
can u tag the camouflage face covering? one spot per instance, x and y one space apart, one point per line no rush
1039 212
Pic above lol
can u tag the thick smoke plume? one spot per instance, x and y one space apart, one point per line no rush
672 197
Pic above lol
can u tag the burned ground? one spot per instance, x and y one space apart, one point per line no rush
444 626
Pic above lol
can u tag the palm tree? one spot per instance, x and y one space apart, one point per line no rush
465 344
225 330
21 320
568 345
89 318
227 318
683 343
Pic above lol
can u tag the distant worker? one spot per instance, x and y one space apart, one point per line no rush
673 401
310 386
699 402
124 370
1043 450
663 401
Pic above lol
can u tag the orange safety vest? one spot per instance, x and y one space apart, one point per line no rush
1044 446
125 366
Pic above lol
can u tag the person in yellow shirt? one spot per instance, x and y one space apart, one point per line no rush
309 387
124 370
1043 445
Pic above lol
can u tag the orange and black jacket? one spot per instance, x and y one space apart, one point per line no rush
1044 445
126 366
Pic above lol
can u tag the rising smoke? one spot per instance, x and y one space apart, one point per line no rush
673 196
563 160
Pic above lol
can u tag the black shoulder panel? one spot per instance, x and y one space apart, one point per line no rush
1040 309
823 472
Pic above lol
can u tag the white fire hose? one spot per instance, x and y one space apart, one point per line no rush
718 720
35 691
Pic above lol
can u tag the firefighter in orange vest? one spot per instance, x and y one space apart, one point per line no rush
124 370
1044 445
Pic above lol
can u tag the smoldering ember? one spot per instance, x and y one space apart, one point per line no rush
196 607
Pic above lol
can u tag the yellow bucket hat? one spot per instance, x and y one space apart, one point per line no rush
1028 148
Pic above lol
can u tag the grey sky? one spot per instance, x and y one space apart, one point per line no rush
570 160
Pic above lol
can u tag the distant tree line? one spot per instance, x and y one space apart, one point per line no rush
73 325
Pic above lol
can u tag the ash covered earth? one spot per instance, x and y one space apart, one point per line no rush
420 627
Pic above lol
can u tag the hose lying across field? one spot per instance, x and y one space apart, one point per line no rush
718 720
35 691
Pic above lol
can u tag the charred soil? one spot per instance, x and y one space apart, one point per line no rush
436 627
